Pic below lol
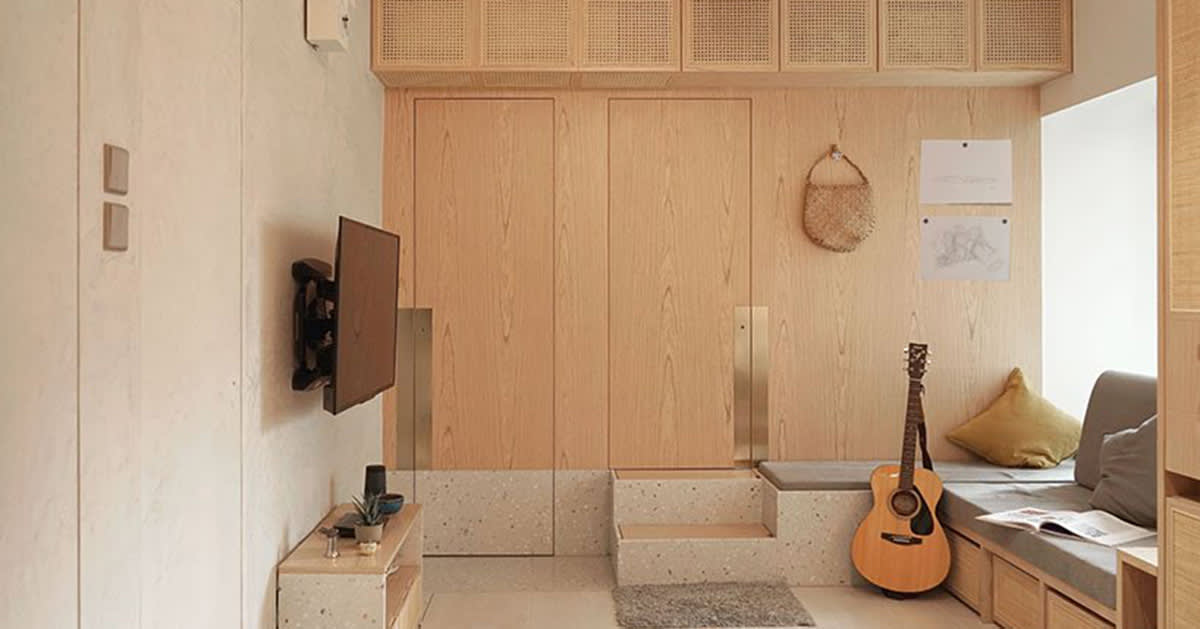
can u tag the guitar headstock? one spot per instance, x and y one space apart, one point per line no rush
917 359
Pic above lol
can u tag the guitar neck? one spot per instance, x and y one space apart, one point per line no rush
913 417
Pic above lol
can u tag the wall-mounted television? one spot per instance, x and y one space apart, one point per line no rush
345 326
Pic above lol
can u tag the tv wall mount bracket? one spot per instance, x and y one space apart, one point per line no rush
313 324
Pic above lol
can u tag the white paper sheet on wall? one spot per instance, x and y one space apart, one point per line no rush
965 247
966 172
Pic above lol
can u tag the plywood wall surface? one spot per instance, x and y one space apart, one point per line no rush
580 284
679 250
484 237
838 322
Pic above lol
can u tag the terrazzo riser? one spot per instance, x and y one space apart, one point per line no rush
643 561
811 545
313 600
690 501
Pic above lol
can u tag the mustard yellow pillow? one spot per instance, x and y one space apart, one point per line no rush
1020 429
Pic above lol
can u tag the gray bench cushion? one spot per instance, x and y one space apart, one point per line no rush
850 475
1090 568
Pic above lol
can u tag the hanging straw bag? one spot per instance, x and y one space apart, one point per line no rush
838 217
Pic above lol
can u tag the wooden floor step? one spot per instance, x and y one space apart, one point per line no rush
752 530
716 474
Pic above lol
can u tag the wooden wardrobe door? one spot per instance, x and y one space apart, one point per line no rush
1179 311
484 260
679 251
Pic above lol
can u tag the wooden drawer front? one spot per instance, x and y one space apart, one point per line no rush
1061 613
966 565
1016 597
1182 565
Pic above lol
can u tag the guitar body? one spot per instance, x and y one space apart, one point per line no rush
902 554
900 546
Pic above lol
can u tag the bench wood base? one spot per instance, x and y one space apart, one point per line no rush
1008 591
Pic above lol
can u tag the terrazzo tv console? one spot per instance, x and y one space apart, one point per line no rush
381 591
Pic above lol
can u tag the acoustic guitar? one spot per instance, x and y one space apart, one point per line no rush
900 546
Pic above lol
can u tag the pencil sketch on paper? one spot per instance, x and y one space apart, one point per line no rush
965 248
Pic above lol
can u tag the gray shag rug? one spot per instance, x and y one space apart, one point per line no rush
707 605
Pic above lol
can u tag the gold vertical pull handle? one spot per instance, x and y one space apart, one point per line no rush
760 363
414 393
742 385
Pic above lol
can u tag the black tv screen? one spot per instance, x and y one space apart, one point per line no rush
367 268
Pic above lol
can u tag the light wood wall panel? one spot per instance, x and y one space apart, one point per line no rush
397 194
1184 157
483 225
838 322
679 251
1179 312
581 283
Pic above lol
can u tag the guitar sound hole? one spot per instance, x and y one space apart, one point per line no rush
905 503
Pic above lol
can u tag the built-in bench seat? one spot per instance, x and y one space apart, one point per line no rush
853 475
1019 579
1089 568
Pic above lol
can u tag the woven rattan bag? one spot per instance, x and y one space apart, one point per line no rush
838 217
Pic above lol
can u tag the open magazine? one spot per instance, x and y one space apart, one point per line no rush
1098 527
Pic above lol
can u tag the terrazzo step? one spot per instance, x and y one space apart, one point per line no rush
733 496
693 553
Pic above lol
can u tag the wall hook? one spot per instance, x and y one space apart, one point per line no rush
836 153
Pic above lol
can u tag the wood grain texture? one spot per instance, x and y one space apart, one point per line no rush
581 284
1183 73
1016 597
1179 312
965 569
1166 489
679 240
398 219
619 79
1137 588
1179 188
1062 613
839 321
1180 551
484 216
1180 403
401 533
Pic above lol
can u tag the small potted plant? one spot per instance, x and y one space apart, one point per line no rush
370 519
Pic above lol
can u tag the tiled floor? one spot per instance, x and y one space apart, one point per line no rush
573 593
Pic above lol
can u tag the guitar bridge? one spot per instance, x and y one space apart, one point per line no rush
901 540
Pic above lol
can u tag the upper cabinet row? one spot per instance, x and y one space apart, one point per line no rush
426 41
